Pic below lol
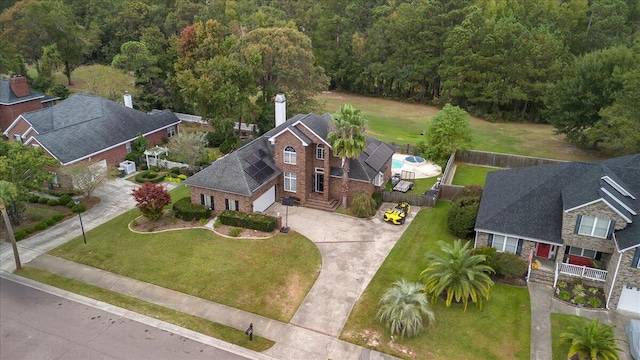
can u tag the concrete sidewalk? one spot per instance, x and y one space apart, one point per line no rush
543 304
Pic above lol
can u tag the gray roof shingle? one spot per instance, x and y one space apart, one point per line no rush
7 97
529 202
85 124
228 173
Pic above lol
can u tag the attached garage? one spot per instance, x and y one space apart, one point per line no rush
265 200
629 299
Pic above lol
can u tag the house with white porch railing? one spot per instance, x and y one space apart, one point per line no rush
579 219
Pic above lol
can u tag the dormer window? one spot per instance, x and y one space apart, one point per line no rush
289 155
320 151
593 226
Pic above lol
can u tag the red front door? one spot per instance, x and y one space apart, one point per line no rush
543 250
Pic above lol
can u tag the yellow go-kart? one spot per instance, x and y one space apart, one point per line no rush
397 214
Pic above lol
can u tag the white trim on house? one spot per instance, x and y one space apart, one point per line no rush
28 130
605 202
519 237
14 123
615 275
24 100
313 132
617 186
272 139
619 202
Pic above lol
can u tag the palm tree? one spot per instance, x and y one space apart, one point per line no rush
458 272
347 140
590 341
9 191
403 307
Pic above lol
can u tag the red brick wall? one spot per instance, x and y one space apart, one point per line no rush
8 113
19 129
245 203
303 180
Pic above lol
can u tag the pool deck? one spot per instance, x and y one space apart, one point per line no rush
422 170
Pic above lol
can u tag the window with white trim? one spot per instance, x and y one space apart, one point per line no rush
207 200
378 179
574 250
290 180
593 226
505 244
171 131
289 155
231 204
128 146
320 151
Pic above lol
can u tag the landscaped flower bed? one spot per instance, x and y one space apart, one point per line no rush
576 293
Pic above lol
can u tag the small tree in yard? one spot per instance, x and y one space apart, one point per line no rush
590 341
151 199
403 307
448 131
86 177
189 148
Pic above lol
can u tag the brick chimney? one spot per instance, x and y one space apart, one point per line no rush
19 86
281 109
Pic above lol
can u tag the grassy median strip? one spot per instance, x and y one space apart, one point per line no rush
184 320
500 331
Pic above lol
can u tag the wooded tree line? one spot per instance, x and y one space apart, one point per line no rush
568 63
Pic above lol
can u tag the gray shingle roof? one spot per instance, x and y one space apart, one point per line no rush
7 97
228 173
529 202
85 124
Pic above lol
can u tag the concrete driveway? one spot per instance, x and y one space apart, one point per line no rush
352 251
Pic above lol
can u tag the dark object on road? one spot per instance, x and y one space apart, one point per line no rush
633 333
250 332
397 214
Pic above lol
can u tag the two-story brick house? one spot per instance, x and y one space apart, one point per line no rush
582 218
16 98
293 160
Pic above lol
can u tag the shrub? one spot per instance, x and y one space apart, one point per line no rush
29 230
579 300
235 232
217 224
562 284
64 199
578 290
43 200
149 176
461 218
135 223
175 171
228 145
58 217
185 210
215 138
155 168
20 235
595 302
71 204
593 290
78 208
488 253
203 221
52 202
363 205
564 295
509 265
50 222
250 221
41 225
378 198
33 198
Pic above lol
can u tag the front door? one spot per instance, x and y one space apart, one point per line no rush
319 183
319 180
543 250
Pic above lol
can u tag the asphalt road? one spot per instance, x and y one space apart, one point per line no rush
38 325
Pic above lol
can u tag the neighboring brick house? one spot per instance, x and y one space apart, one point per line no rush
581 216
292 160
87 127
16 98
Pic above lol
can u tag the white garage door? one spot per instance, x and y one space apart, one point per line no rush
265 200
630 299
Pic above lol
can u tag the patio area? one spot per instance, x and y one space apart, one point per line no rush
418 166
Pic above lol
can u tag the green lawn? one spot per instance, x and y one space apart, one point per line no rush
402 123
269 277
501 330
466 174
188 321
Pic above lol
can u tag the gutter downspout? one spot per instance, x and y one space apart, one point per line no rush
475 240
615 275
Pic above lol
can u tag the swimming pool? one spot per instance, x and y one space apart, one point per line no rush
396 165
414 159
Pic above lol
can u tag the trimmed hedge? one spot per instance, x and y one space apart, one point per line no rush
150 176
64 199
185 210
33 198
58 217
249 221
43 200
52 202
41 225
78 208
20 235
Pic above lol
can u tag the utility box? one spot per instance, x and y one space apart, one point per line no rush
128 166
